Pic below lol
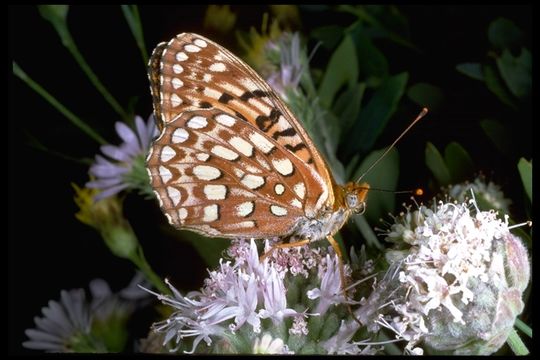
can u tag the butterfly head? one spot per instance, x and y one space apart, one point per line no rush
354 197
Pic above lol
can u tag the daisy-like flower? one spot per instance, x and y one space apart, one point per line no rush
455 282
64 327
74 324
124 165
246 298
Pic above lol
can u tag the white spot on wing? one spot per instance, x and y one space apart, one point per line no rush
176 83
174 194
197 122
296 203
179 136
192 48
261 142
200 42
212 93
238 172
283 166
181 56
253 181
177 68
278 210
207 77
205 172
225 119
182 213
239 225
300 190
218 67
224 153
242 146
210 213
245 208
279 189
175 100
202 156
215 192
167 153
165 174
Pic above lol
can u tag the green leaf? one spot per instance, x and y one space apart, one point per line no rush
372 64
436 164
383 176
131 13
375 115
516 72
342 69
496 86
525 171
384 22
426 95
459 163
328 35
503 33
472 70
498 134
347 106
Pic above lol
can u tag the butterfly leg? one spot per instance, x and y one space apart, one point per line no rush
283 246
337 249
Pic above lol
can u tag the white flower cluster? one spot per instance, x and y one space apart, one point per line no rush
452 281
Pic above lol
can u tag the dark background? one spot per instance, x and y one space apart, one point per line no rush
50 250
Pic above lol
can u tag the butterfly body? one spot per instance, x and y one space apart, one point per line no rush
231 159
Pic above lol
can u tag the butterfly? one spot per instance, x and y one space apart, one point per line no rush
231 159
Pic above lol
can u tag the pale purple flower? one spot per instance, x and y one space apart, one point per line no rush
235 295
114 172
275 300
291 65
330 291
66 326
61 322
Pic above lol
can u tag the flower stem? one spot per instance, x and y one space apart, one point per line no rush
523 327
131 13
70 45
516 344
75 120
140 261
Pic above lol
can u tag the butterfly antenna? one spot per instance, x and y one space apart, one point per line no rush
421 115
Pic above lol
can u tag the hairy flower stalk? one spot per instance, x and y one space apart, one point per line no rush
455 281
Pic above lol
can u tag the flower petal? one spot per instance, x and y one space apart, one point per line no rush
110 191
115 152
126 133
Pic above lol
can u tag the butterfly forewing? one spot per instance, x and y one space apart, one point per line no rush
231 158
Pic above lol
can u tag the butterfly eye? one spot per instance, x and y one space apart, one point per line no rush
352 201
